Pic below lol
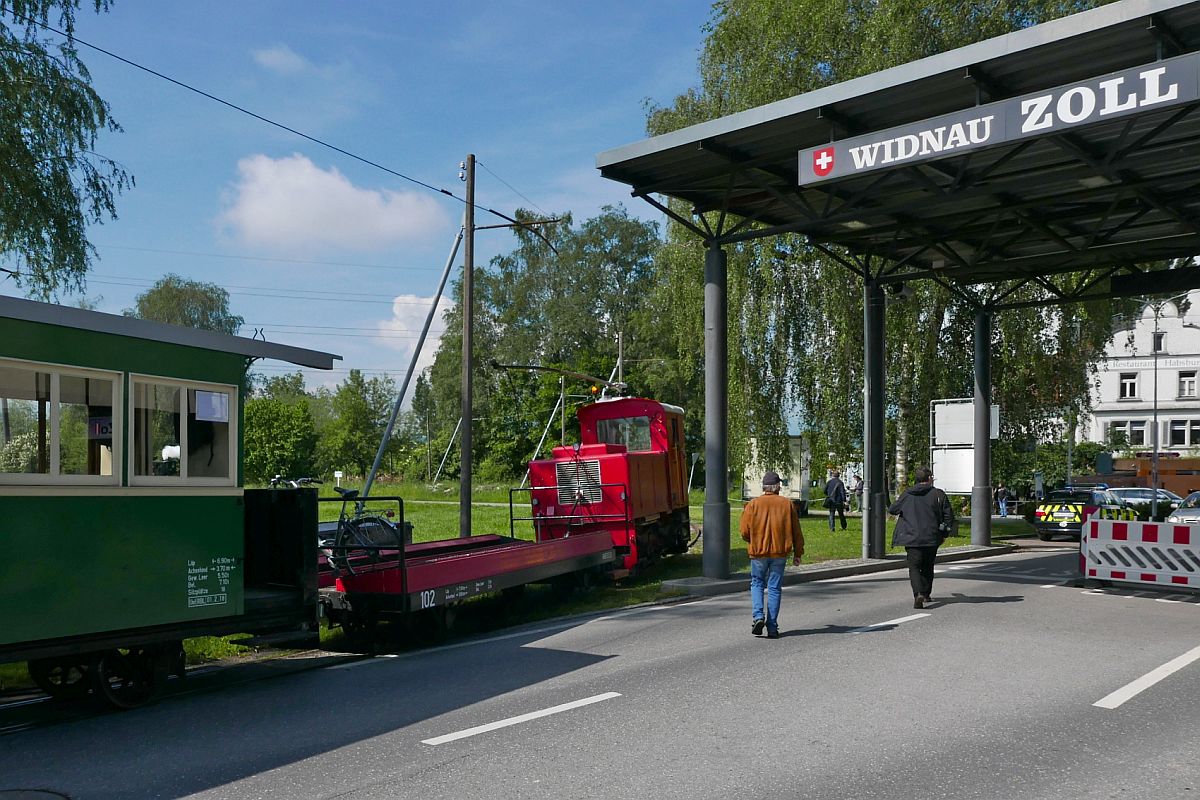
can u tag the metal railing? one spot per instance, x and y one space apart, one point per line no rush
374 551
581 514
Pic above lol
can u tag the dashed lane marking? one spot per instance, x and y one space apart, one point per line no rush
899 621
504 723
1134 688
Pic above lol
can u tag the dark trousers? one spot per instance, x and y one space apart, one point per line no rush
920 569
841 512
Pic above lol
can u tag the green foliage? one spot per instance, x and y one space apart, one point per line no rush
796 313
193 304
560 307
52 184
359 409
280 439
20 453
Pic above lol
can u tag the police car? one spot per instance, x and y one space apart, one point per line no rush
1063 512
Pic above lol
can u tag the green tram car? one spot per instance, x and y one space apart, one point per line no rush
124 523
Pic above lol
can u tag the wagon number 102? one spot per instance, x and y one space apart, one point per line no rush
428 599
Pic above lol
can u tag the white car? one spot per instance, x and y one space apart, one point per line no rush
1137 496
1188 512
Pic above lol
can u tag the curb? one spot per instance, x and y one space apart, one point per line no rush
807 573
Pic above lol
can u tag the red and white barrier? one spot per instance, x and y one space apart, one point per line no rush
1156 553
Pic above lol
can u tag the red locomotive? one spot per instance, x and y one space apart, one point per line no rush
627 476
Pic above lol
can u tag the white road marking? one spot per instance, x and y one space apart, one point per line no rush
371 660
504 723
555 628
909 618
1134 688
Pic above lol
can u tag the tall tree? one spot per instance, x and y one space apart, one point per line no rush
53 183
795 321
193 304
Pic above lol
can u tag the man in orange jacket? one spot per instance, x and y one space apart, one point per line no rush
770 525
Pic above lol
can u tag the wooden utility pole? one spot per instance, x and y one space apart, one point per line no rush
468 313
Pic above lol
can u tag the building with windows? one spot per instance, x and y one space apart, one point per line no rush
1123 400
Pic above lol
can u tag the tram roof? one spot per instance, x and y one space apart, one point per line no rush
81 319
1116 188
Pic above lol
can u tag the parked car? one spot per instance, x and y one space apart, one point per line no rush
1141 499
1063 512
1188 512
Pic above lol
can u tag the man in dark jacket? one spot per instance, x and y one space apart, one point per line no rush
835 498
771 530
926 519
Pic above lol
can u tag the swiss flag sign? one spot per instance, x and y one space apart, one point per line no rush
822 161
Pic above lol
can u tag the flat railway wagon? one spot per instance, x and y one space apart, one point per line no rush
126 527
627 477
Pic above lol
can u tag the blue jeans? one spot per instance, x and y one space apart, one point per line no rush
1004 508
767 572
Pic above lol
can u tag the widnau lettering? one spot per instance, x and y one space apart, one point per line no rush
936 140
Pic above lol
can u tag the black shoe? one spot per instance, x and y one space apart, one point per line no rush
772 634
928 599
757 627
919 601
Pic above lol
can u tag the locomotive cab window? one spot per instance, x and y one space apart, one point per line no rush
57 424
183 432
633 432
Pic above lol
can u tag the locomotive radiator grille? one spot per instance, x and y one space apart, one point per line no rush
578 481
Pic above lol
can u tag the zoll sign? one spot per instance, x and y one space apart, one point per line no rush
1119 94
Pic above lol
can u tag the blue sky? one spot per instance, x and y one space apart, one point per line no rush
535 89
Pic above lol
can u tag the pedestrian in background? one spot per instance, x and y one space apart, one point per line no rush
835 498
771 528
926 519
856 489
1002 499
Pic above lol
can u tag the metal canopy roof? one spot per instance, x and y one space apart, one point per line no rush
1112 190
68 317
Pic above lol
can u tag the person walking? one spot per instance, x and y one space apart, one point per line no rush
1002 500
926 519
835 498
771 528
856 490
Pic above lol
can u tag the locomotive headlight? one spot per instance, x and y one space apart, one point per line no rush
622 495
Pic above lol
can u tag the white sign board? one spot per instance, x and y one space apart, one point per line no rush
954 422
953 469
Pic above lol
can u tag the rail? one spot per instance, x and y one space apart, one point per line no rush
573 519
375 551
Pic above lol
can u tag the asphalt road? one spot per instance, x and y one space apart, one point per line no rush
989 693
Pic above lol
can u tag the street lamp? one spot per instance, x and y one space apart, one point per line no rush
1156 306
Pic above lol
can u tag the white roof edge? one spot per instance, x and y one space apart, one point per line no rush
959 58
82 319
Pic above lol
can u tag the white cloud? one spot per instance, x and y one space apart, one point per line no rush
291 205
401 331
281 59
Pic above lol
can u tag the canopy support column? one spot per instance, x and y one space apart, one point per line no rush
981 489
716 422
875 481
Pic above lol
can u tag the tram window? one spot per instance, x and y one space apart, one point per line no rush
85 425
184 432
208 434
633 432
24 421
156 434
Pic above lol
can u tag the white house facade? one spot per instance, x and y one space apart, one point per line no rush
1165 345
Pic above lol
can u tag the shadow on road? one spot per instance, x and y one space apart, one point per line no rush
957 597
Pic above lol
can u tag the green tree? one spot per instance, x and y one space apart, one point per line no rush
560 306
280 439
360 409
53 183
795 320
193 304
